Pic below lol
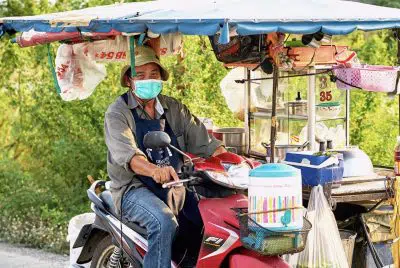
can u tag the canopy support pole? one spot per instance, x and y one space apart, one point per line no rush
347 118
132 54
398 62
311 109
52 70
247 89
273 115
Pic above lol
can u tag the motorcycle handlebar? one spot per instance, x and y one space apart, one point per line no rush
192 176
175 183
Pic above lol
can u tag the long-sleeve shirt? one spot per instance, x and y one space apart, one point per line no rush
121 141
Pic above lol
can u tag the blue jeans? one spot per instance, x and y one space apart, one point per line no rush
140 205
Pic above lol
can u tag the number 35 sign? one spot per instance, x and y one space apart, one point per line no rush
324 95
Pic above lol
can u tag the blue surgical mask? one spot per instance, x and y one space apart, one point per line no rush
147 89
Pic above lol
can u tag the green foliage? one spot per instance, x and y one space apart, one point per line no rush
48 146
387 3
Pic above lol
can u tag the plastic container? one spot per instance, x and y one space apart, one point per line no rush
276 189
348 240
328 109
397 157
384 252
311 171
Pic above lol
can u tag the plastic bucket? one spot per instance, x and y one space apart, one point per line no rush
348 240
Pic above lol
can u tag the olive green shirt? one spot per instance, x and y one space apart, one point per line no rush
121 142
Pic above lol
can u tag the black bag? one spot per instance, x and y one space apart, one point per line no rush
245 49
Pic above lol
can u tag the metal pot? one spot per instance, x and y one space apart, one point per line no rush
281 150
232 138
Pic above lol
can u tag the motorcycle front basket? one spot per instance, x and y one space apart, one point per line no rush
270 242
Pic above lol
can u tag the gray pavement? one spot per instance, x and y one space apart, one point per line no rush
12 256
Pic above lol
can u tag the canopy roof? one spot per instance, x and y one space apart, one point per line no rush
206 17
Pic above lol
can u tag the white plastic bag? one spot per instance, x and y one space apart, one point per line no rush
74 227
234 93
324 247
109 50
260 93
77 73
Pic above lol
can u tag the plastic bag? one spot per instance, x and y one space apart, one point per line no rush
324 248
347 58
234 92
74 227
77 73
109 50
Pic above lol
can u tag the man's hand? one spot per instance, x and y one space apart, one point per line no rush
164 174
141 166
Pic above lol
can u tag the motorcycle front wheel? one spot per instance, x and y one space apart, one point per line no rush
103 252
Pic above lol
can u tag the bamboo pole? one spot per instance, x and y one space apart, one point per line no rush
395 224
273 115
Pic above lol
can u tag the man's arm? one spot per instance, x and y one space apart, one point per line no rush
124 150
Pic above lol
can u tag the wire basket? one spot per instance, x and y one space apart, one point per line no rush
270 242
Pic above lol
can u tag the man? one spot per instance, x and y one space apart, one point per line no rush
136 172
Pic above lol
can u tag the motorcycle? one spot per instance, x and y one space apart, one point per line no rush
220 246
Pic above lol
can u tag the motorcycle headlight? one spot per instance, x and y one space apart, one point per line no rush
235 181
228 166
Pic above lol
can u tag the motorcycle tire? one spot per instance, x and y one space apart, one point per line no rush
103 252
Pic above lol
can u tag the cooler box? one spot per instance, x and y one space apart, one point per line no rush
312 172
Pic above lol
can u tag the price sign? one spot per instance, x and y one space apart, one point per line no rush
325 96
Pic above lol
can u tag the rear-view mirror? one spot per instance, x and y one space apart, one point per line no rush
156 140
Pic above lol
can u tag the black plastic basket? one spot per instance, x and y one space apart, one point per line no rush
269 242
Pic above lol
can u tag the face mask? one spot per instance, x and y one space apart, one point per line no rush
147 89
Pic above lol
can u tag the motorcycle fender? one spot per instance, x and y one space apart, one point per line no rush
88 238
240 260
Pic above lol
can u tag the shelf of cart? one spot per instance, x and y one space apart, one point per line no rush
278 116
321 119
293 117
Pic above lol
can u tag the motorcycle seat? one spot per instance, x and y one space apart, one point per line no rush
109 205
106 197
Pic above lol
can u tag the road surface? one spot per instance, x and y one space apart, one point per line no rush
12 256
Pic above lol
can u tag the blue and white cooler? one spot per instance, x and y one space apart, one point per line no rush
316 169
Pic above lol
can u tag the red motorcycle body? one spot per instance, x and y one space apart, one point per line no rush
221 241
221 237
